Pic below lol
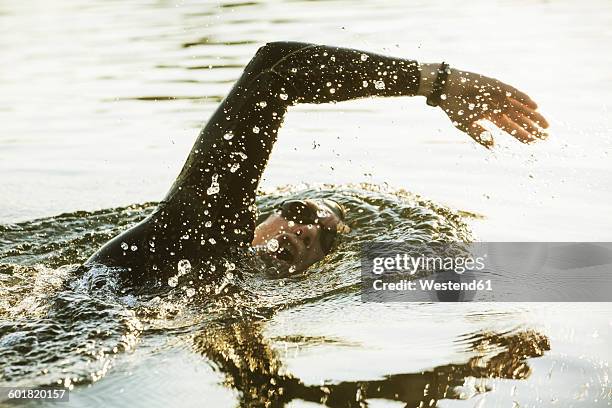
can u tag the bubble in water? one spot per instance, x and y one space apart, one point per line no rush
134 248
379 84
364 57
283 96
230 266
184 267
229 135
234 167
291 224
255 129
364 84
173 281
471 106
443 97
263 104
272 245
332 91
208 224
212 241
190 292
124 246
291 269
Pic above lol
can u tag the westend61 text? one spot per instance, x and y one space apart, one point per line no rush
411 264
429 285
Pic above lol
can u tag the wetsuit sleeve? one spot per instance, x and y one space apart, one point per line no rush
215 191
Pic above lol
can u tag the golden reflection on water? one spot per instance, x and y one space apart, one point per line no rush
250 365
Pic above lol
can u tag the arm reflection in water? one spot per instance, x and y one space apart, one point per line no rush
253 368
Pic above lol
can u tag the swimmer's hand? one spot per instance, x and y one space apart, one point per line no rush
470 98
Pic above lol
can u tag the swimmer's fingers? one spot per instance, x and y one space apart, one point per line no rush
518 96
528 112
478 133
528 124
512 128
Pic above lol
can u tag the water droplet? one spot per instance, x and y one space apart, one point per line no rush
263 104
471 106
173 281
460 113
291 224
283 96
184 267
294 70
332 91
379 84
443 97
228 136
272 245
208 224
134 248
255 129
212 241
486 136
364 84
190 292
124 246
291 269
364 57
214 185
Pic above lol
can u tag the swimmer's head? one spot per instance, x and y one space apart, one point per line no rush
300 233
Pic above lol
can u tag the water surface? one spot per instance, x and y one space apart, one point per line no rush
100 104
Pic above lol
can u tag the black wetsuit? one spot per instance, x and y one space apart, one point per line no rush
210 209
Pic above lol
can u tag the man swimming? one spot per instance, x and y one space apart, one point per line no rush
209 212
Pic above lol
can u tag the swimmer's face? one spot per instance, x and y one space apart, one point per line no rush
298 234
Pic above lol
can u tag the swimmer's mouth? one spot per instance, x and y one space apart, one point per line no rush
288 249
284 254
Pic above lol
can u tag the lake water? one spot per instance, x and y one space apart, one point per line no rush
101 101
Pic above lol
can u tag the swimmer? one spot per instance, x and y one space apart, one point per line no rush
209 212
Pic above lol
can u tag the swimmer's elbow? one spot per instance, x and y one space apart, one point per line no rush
273 52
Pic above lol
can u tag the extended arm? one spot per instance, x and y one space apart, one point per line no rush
211 204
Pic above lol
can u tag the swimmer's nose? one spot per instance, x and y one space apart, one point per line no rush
306 234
